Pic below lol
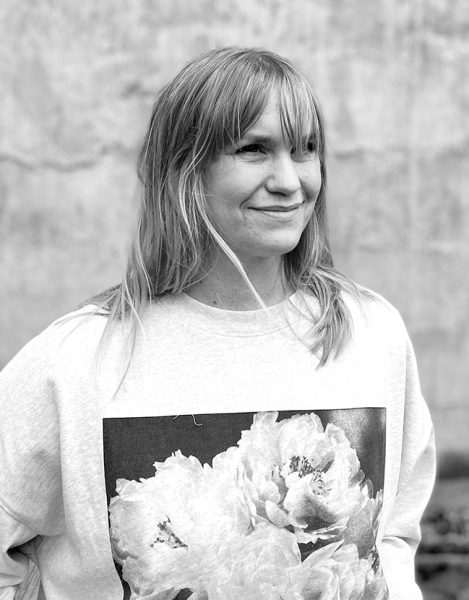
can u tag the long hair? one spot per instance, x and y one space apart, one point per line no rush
207 107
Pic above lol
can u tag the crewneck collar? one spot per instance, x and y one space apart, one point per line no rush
239 322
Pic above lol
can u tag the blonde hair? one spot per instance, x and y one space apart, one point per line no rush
207 107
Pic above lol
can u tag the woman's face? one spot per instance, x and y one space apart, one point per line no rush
261 194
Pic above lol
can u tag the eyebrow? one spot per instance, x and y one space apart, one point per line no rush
258 138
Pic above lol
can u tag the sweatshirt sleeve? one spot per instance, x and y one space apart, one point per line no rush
30 482
416 479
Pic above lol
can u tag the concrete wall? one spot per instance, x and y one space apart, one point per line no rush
77 83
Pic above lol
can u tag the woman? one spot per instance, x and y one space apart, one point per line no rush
249 419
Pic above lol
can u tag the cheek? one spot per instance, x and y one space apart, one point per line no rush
308 215
313 180
310 177
223 200
223 186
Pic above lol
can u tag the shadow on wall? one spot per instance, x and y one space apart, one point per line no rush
443 556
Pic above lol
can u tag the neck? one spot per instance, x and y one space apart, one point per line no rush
225 287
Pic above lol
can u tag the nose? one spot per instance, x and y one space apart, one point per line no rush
283 178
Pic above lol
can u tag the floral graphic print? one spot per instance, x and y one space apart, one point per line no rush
286 514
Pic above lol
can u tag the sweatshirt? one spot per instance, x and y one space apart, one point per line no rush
222 462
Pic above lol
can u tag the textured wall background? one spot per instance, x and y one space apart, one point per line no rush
77 83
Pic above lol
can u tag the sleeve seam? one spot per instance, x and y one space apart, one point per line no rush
11 514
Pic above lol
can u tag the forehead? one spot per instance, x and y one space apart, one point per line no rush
269 121
285 116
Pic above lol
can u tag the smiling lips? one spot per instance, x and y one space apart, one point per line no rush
278 212
276 208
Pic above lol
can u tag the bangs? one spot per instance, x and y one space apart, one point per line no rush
300 117
235 97
239 105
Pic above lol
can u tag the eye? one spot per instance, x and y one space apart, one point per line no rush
305 151
309 146
249 149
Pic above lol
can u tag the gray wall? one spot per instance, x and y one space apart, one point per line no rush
77 84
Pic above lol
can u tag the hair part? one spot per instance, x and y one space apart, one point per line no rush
204 110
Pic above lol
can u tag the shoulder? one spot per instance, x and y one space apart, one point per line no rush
80 329
32 382
372 312
366 310
77 333
379 337
82 326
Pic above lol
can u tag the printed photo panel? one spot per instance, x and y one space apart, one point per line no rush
247 505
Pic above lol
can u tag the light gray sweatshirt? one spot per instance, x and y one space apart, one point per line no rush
310 472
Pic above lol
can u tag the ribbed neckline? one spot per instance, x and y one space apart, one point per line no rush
240 322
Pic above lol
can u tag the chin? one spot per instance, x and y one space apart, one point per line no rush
278 249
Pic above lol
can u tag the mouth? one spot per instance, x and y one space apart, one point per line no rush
278 212
277 208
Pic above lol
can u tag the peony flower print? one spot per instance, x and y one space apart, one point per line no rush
335 572
238 528
362 526
304 476
254 567
166 531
